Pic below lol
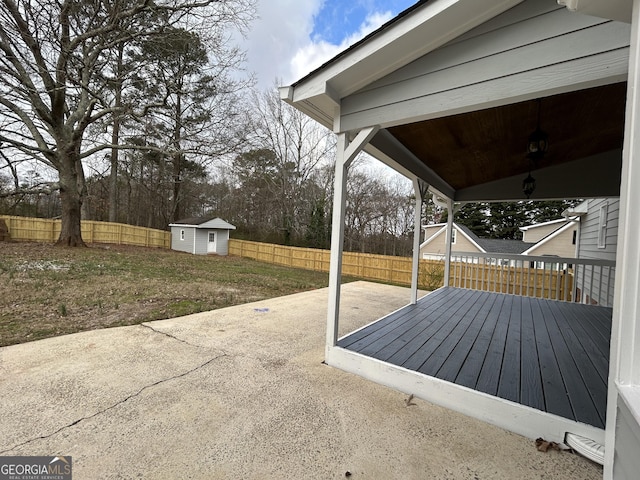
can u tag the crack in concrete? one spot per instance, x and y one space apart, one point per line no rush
120 402
146 325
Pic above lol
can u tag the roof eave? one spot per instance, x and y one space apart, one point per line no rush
423 28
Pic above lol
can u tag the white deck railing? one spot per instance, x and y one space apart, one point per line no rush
555 278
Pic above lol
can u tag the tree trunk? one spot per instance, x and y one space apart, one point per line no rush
71 203
113 175
115 139
177 190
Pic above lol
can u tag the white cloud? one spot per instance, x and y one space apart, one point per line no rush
280 46
283 26
314 53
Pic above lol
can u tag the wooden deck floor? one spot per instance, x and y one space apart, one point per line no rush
552 356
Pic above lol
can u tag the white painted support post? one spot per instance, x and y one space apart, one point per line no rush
624 362
447 260
415 264
346 153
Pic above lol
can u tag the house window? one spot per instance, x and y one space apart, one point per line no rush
453 236
575 237
602 227
212 237
181 234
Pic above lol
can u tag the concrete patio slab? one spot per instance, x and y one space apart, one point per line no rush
242 392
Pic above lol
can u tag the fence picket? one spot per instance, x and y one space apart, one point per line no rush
24 229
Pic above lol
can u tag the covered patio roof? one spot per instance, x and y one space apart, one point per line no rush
456 108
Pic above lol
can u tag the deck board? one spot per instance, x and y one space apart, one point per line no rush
549 355
595 346
577 392
449 322
554 384
509 386
531 393
489 376
421 346
469 372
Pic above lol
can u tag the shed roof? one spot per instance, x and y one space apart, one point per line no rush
204 222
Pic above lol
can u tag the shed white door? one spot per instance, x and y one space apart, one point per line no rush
211 242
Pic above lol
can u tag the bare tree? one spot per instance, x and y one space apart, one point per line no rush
202 117
300 148
51 83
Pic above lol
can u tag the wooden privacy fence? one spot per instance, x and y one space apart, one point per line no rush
543 277
24 229
297 257
380 268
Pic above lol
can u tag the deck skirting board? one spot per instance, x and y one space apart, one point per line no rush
526 421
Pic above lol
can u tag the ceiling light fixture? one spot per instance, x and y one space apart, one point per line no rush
536 149
538 140
529 185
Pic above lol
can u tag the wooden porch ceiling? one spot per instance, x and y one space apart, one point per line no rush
481 147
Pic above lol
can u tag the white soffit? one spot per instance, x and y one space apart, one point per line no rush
418 33
619 10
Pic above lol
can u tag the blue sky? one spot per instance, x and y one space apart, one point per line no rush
293 37
338 19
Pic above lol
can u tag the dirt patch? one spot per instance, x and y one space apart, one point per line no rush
49 291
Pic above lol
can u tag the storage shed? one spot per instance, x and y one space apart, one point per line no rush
201 236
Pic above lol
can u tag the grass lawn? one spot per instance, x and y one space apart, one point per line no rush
49 291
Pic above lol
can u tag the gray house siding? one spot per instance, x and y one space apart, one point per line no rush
223 242
590 236
201 242
196 237
536 42
627 446
177 243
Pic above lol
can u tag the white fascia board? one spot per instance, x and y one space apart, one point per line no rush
320 109
458 229
421 31
434 236
548 238
182 225
543 224
434 225
619 10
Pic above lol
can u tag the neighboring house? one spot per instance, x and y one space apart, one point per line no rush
463 240
201 236
558 238
597 239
